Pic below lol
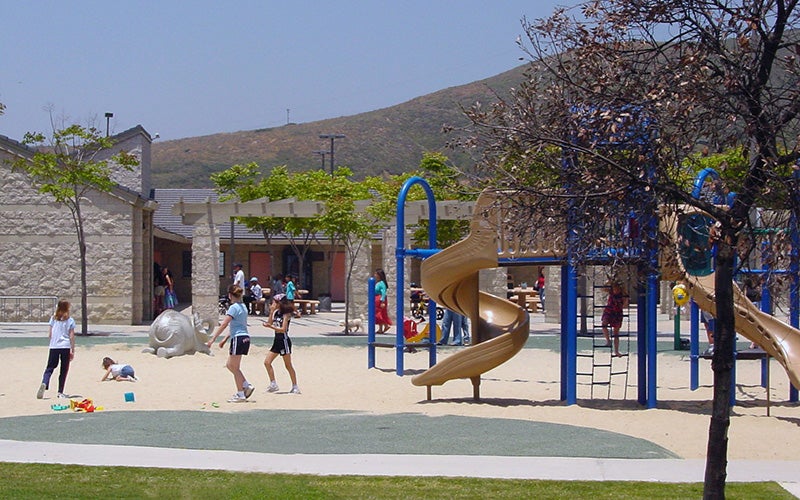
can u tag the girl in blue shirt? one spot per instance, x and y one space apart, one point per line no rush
236 318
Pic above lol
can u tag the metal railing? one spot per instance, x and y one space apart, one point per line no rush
27 309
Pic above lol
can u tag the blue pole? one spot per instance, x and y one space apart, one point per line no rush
571 312
701 179
371 322
400 254
794 292
641 349
694 346
399 339
652 344
564 331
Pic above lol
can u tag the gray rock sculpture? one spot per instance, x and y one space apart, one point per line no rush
174 334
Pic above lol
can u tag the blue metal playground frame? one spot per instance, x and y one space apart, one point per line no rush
766 300
646 334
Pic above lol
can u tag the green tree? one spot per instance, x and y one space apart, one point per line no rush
67 167
447 183
350 218
247 183
626 91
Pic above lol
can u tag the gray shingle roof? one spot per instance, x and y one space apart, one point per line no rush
164 219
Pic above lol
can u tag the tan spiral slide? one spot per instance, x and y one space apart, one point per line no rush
778 339
500 328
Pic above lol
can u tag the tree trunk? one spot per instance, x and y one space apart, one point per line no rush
84 287
722 366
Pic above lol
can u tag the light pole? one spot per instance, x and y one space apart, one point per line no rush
109 116
322 154
333 138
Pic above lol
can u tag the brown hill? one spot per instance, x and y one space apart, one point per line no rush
390 140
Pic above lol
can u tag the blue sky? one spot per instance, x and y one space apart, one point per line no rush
189 68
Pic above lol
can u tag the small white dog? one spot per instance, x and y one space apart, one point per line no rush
353 324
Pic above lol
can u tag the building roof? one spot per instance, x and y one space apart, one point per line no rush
164 219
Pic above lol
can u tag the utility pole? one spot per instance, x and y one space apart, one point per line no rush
109 116
322 154
333 138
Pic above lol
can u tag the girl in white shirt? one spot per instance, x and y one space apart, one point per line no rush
62 348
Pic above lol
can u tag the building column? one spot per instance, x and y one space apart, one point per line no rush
390 268
552 294
356 299
205 273
494 281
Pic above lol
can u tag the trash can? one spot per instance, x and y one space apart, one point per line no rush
324 303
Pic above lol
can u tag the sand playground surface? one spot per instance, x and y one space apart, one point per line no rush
336 378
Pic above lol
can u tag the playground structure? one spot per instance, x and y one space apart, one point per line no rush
776 338
500 328
707 185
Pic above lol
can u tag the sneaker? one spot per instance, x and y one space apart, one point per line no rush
40 392
61 395
709 351
273 387
237 398
295 390
248 390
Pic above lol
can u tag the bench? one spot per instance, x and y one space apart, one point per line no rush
306 306
533 303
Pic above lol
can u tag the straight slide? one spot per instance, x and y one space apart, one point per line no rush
778 339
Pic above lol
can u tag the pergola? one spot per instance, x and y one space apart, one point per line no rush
204 216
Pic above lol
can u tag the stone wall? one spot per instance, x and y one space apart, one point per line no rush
39 254
39 250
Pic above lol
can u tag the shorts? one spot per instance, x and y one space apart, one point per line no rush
282 344
240 345
127 371
611 318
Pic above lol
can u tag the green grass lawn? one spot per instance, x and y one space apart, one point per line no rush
73 481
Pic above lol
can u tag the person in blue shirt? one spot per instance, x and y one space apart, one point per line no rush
290 290
236 318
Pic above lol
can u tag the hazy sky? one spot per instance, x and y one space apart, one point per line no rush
188 68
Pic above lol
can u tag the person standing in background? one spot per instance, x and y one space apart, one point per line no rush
276 286
238 276
170 299
290 290
458 323
540 288
381 303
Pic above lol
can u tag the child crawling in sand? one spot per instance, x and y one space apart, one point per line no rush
117 371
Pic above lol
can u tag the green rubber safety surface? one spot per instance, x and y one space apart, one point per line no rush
328 432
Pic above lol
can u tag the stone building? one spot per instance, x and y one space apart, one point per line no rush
39 257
